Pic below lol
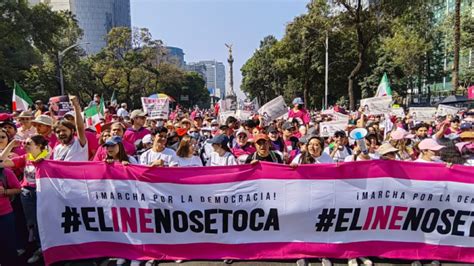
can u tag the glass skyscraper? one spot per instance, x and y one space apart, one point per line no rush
96 18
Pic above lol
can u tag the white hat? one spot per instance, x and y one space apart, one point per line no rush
147 139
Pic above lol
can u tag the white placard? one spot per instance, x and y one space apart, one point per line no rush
376 105
156 108
426 114
446 110
399 112
327 129
273 109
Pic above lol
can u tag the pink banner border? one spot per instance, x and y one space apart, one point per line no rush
261 251
216 175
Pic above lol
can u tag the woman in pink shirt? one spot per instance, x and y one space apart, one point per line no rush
9 186
299 112
36 149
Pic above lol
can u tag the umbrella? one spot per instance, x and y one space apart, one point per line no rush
162 96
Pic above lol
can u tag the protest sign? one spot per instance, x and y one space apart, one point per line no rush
224 115
273 109
376 105
398 112
390 209
426 114
60 105
446 110
156 108
327 129
243 115
336 116
251 106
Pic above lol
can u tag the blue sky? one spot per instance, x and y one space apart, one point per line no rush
201 27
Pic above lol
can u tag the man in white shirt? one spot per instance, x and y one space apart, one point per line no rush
71 149
122 111
159 155
339 150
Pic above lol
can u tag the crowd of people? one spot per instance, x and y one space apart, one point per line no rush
195 138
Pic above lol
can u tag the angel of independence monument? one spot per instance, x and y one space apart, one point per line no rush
230 96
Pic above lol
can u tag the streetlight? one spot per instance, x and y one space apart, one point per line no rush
60 62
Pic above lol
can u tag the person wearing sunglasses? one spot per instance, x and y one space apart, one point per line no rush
26 129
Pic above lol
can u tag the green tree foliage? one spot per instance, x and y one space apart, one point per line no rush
405 39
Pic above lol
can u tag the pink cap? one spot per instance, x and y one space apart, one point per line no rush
399 134
430 144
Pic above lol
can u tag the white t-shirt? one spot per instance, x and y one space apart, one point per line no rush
167 155
324 158
373 156
189 161
339 156
122 112
227 159
71 153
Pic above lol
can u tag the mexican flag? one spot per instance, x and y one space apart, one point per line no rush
384 87
20 100
113 100
93 115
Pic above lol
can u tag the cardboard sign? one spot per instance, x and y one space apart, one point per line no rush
426 114
60 105
446 110
156 108
376 105
327 129
273 109
340 117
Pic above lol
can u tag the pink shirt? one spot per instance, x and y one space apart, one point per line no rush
101 153
301 114
12 181
132 135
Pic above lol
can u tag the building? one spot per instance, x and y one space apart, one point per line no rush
95 17
214 74
174 55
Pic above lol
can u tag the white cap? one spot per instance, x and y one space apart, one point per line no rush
147 139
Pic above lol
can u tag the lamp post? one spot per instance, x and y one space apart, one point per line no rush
60 62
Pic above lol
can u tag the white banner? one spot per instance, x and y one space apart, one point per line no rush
398 112
327 129
224 115
446 110
426 114
243 115
156 108
376 105
273 109
398 209
336 116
